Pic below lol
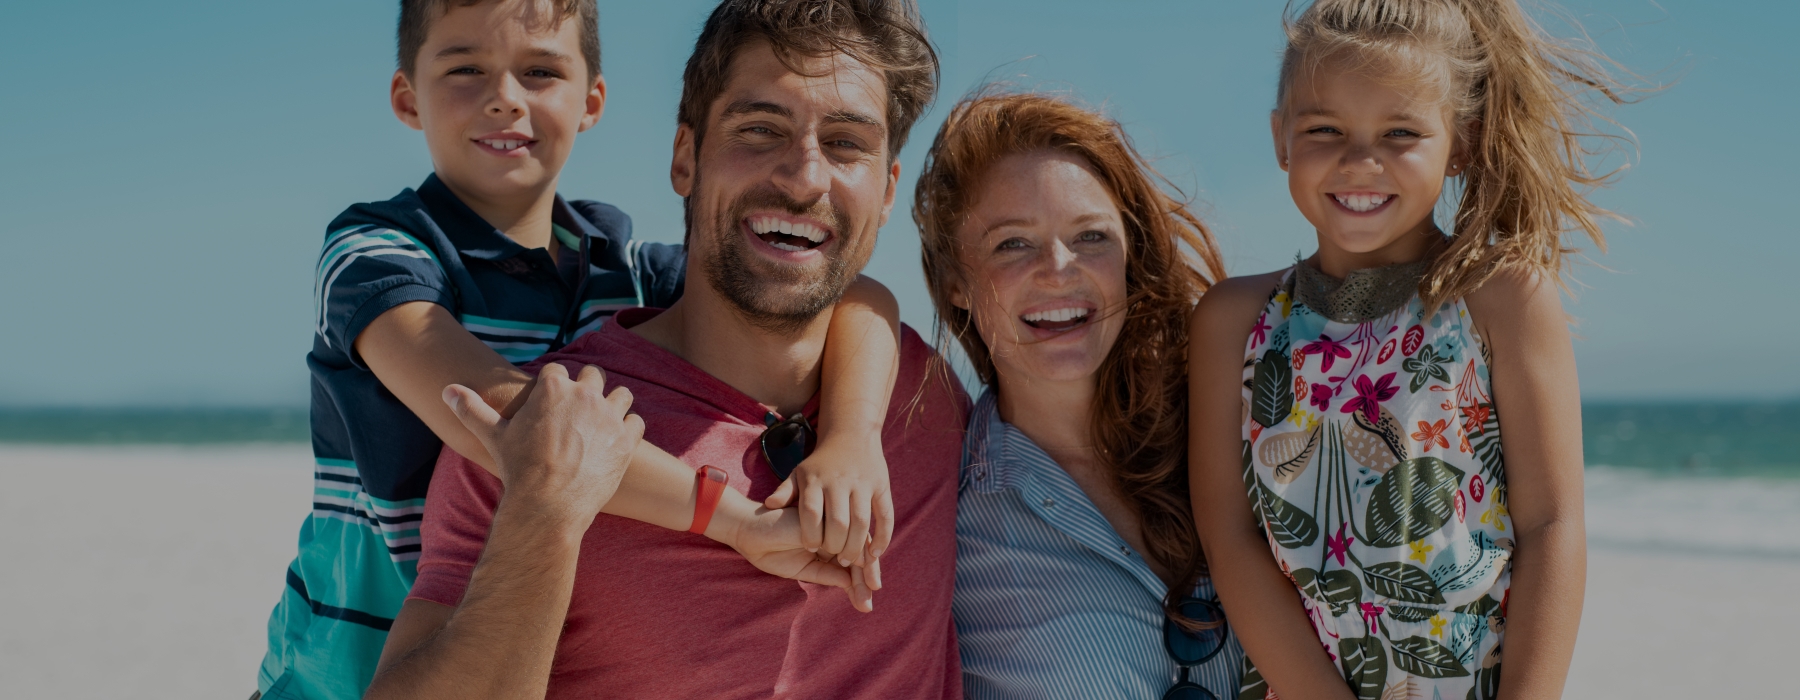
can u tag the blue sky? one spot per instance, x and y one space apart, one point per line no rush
172 167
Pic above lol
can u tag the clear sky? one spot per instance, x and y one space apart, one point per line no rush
173 165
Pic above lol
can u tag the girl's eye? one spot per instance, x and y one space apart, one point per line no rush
1403 133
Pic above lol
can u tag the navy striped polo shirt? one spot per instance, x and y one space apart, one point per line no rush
374 457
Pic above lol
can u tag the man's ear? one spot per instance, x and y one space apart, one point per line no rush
596 104
887 204
405 101
1275 132
683 164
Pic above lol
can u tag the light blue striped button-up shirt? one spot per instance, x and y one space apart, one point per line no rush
1050 602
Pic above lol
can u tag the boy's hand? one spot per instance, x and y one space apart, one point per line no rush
770 540
565 450
846 507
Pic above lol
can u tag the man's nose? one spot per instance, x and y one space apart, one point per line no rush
803 174
508 97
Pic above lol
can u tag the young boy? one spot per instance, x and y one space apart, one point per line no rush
485 267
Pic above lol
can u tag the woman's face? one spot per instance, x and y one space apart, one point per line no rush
1044 251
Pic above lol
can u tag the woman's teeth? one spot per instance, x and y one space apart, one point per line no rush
1057 319
1362 202
781 233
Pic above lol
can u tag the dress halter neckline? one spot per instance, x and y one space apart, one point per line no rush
1364 295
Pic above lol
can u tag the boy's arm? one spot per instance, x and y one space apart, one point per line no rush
842 488
417 349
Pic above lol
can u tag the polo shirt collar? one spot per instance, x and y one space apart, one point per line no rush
474 237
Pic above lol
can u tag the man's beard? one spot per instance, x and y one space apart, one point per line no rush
777 298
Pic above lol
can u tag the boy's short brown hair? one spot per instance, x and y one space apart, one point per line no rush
416 17
887 35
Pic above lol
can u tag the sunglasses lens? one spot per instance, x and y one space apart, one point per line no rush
784 444
1194 648
1188 691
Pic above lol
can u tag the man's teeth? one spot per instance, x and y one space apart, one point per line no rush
1361 202
504 144
775 224
1056 315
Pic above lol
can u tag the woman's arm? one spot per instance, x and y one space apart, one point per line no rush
1261 603
842 488
1521 319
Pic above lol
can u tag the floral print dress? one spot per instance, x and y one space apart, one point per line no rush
1372 460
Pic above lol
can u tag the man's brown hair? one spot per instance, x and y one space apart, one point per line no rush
416 17
886 35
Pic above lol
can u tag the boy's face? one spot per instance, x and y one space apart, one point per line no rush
500 90
789 184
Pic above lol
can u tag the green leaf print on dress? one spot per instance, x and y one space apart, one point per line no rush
1271 389
1428 659
1338 588
1290 525
1402 582
1414 500
1365 666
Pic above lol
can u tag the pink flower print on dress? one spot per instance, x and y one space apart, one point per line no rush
1339 545
1321 397
1328 350
1369 396
1261 332
1372 614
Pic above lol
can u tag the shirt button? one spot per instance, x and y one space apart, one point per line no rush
1049 503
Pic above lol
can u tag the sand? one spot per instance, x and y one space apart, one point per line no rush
150 572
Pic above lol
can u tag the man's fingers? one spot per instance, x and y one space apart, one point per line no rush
861 597
872 574
783 496
825 574
481 419
812 513
881 526
855 544
590 373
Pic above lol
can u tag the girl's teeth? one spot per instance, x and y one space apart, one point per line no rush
1362 202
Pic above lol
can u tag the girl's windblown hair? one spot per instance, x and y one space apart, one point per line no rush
1523 101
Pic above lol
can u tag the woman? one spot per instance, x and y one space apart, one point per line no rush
1047 241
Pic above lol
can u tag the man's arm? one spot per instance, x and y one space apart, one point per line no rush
562 458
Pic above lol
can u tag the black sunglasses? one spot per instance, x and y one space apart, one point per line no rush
1190 649
786 442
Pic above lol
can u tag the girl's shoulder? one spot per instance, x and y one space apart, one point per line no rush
1514 300
1236 297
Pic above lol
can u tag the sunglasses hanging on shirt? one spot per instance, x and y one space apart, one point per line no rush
1190 649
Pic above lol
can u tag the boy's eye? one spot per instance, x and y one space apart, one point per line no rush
1324 130
464 70
540 73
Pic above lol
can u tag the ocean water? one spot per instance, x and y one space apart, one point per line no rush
152 426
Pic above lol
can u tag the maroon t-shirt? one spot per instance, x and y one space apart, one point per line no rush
658 613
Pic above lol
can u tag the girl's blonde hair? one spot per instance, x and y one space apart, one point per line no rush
1523 102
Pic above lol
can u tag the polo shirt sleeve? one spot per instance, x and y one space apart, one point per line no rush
661 268
455 529
366 270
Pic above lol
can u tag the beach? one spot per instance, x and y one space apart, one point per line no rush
149 572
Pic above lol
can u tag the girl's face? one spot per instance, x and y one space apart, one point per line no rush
1044 253
1366 161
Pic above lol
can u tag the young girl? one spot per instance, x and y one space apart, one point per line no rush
1357 395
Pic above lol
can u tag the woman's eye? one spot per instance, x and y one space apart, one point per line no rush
1090 237
1011 244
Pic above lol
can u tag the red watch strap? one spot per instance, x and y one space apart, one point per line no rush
711 486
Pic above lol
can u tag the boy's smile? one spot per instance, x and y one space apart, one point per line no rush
500 90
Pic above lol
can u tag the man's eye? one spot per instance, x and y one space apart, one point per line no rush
464 70
540 73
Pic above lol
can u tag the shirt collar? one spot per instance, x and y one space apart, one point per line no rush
474 237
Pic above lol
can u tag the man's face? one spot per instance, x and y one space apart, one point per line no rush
500 90
788 185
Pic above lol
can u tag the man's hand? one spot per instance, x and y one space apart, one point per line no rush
846 507
565 450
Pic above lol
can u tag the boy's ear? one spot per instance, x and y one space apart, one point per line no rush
1280 143
596 104
405 101
684 162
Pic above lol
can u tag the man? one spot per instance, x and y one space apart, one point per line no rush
791 118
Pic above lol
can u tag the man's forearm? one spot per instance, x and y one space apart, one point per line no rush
500 641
